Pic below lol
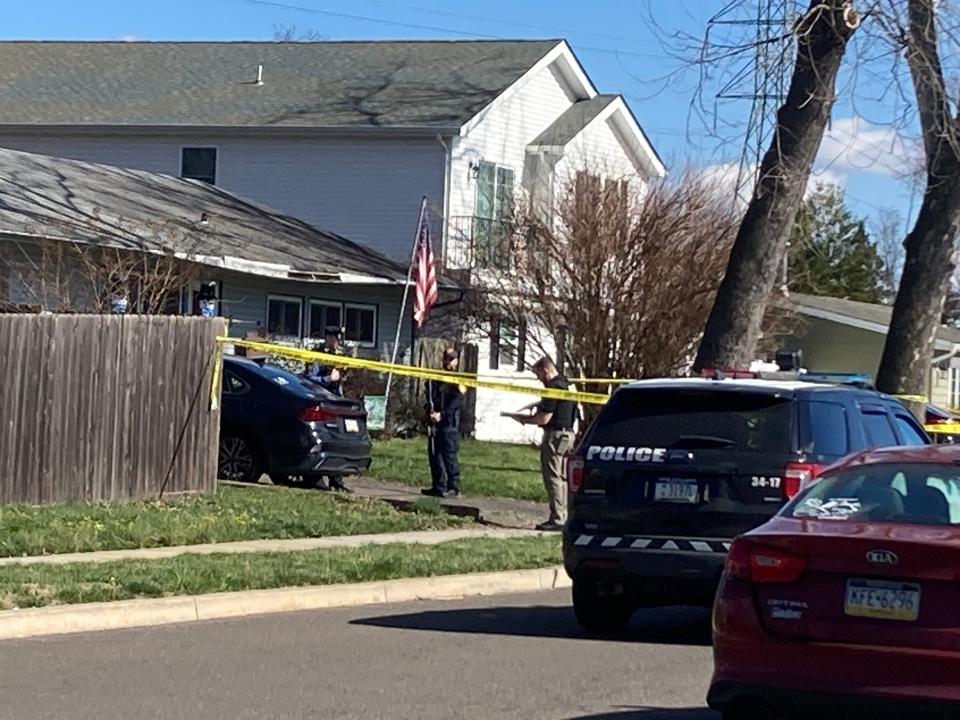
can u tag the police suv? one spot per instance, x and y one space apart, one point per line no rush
672 470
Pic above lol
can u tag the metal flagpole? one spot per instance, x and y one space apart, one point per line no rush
403 303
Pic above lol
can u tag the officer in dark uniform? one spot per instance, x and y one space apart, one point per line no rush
330 378
327 376
444 402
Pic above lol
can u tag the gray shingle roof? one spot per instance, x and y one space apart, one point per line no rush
566 127
864 312
313 84
102 204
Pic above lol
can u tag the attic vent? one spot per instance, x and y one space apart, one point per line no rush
259 75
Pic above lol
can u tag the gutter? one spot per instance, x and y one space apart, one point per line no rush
425 131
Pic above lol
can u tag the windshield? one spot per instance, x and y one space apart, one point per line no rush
674 418
894 492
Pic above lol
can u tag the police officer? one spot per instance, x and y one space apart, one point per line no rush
557 418
330 378
327 376
444 402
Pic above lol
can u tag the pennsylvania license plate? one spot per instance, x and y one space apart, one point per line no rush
351 424
883 600
676 491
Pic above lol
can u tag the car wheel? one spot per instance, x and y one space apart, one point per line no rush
238 458
599 613
748 709
296 481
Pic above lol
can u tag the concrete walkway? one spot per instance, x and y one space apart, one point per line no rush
419 537
505 512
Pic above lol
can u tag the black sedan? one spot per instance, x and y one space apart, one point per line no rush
277 423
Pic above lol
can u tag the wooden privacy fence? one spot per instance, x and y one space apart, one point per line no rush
94 407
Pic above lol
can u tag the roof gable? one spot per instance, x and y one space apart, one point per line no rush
429 84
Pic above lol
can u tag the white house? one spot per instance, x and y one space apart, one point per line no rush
348 136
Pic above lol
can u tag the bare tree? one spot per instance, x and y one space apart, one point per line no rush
289 33
734 325
887 233
930 245
623 280
57 275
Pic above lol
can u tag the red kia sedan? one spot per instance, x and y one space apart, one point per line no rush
847 603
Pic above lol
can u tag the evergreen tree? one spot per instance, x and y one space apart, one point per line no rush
831 253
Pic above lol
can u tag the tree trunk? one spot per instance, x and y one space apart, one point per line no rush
930 246
733 328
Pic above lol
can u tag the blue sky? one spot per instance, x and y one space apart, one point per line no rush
620 43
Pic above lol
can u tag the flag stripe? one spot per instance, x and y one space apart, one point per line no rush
427 291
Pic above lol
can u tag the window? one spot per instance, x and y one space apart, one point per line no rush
232 385
508 343
494 211
924 494
826 432
694 419
910 434
953 391
283 316
324 314
199 163
360 323
879 431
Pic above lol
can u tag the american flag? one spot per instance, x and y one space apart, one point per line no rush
427 291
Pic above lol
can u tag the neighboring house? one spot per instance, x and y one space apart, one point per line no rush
275 275
345 135
847 336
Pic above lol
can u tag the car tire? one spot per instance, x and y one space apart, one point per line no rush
238 458
305 482
747 709
598 613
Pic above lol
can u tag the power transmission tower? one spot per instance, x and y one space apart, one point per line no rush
758 38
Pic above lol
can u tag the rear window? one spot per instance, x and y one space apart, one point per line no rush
896 493
696 419
289 381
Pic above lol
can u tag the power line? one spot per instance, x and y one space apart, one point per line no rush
502 21
436 28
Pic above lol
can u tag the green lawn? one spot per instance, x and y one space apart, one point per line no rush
229 514
39 585
492 469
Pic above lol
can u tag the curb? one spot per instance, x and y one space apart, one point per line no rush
67 619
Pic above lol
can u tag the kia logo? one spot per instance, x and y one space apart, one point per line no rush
882 557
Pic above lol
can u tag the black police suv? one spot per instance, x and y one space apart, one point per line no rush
274 422
672 470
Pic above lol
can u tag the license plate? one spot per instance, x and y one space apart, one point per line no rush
676 491
351 424
883 600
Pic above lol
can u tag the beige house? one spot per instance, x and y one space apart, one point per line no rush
847 336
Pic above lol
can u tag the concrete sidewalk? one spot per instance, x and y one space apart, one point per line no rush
419 537
505 512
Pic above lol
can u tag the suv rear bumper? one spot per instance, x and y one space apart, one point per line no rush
652 570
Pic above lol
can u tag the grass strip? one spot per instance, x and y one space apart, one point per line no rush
486 468
227 515
42 585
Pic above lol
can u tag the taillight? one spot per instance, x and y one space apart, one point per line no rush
574 472
763 565
317 413
797 476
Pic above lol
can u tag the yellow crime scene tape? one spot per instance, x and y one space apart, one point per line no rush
347 361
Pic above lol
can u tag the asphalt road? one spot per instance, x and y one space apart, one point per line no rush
511 656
